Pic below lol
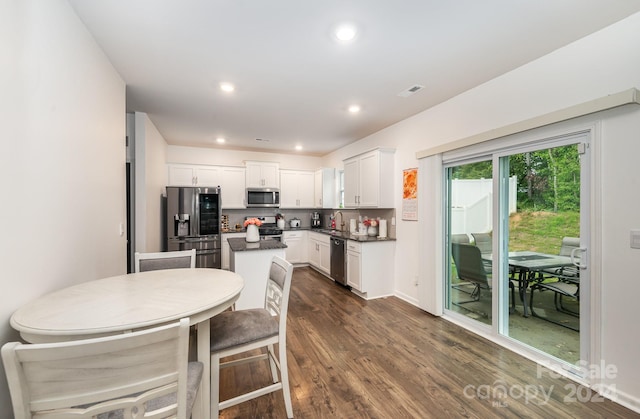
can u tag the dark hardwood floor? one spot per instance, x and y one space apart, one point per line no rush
351 358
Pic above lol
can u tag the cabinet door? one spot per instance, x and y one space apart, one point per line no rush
181 176
351 182
317 189
271 175
288 189
208 176
325 257
253 175
353 270
305 189
369 180
314 253
325 188
262 175
296 246
232 187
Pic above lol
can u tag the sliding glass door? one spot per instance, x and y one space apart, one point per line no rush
470 220
517 226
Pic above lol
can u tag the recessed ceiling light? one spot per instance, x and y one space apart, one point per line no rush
345 32
298 147
354 108
227 87
220 140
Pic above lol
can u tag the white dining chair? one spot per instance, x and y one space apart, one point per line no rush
121 376
165 260
236 332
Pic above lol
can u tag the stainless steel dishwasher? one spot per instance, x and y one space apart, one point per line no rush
338 260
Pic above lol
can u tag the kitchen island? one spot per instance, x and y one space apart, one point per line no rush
252 261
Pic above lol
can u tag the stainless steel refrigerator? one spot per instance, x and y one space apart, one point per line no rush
193 222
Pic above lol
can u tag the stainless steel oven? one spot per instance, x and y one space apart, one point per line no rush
269 229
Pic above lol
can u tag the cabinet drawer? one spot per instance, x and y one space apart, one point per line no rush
319 237
353 246
293 234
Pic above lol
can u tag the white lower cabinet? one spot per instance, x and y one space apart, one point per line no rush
296 241
225 248
319 252
353 265
370 268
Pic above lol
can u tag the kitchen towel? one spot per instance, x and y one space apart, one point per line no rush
382 228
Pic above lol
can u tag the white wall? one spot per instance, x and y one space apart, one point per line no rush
62 119
604 63
151 179
220 156
620 203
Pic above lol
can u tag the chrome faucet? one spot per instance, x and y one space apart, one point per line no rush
341 220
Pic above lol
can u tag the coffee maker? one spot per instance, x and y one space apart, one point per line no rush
315 220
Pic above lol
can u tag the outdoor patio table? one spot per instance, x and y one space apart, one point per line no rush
527 264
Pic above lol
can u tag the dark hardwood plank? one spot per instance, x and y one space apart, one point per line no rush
351 358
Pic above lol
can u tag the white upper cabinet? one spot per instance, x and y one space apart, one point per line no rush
368 179
232 187
194 175
261 174
229 178
296 189
325 194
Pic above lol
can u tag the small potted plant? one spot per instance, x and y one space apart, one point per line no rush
252 224
372 226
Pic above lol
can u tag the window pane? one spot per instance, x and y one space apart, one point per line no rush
545 224
469 231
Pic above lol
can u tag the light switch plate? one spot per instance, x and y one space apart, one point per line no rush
635 239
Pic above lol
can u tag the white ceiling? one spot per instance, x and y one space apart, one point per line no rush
294 82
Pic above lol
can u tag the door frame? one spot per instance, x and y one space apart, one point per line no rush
590 323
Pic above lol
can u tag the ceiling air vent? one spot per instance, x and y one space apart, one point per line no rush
411 90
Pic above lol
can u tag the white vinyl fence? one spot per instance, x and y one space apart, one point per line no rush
472 204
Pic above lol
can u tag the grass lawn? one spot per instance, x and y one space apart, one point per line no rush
542 231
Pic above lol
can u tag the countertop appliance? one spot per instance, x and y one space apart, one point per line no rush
269 229
194 222
338 260
315 220
294 223
263 198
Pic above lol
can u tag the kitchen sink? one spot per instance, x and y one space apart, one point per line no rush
332 232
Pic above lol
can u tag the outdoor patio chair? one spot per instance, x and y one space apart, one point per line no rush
567 283
483 242
570 273
470 267
460 238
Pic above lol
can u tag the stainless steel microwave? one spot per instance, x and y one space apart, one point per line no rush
263 198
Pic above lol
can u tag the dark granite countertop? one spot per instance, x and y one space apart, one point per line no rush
239 244
348 236
334 233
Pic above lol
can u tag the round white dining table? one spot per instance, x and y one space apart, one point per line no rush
128 302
